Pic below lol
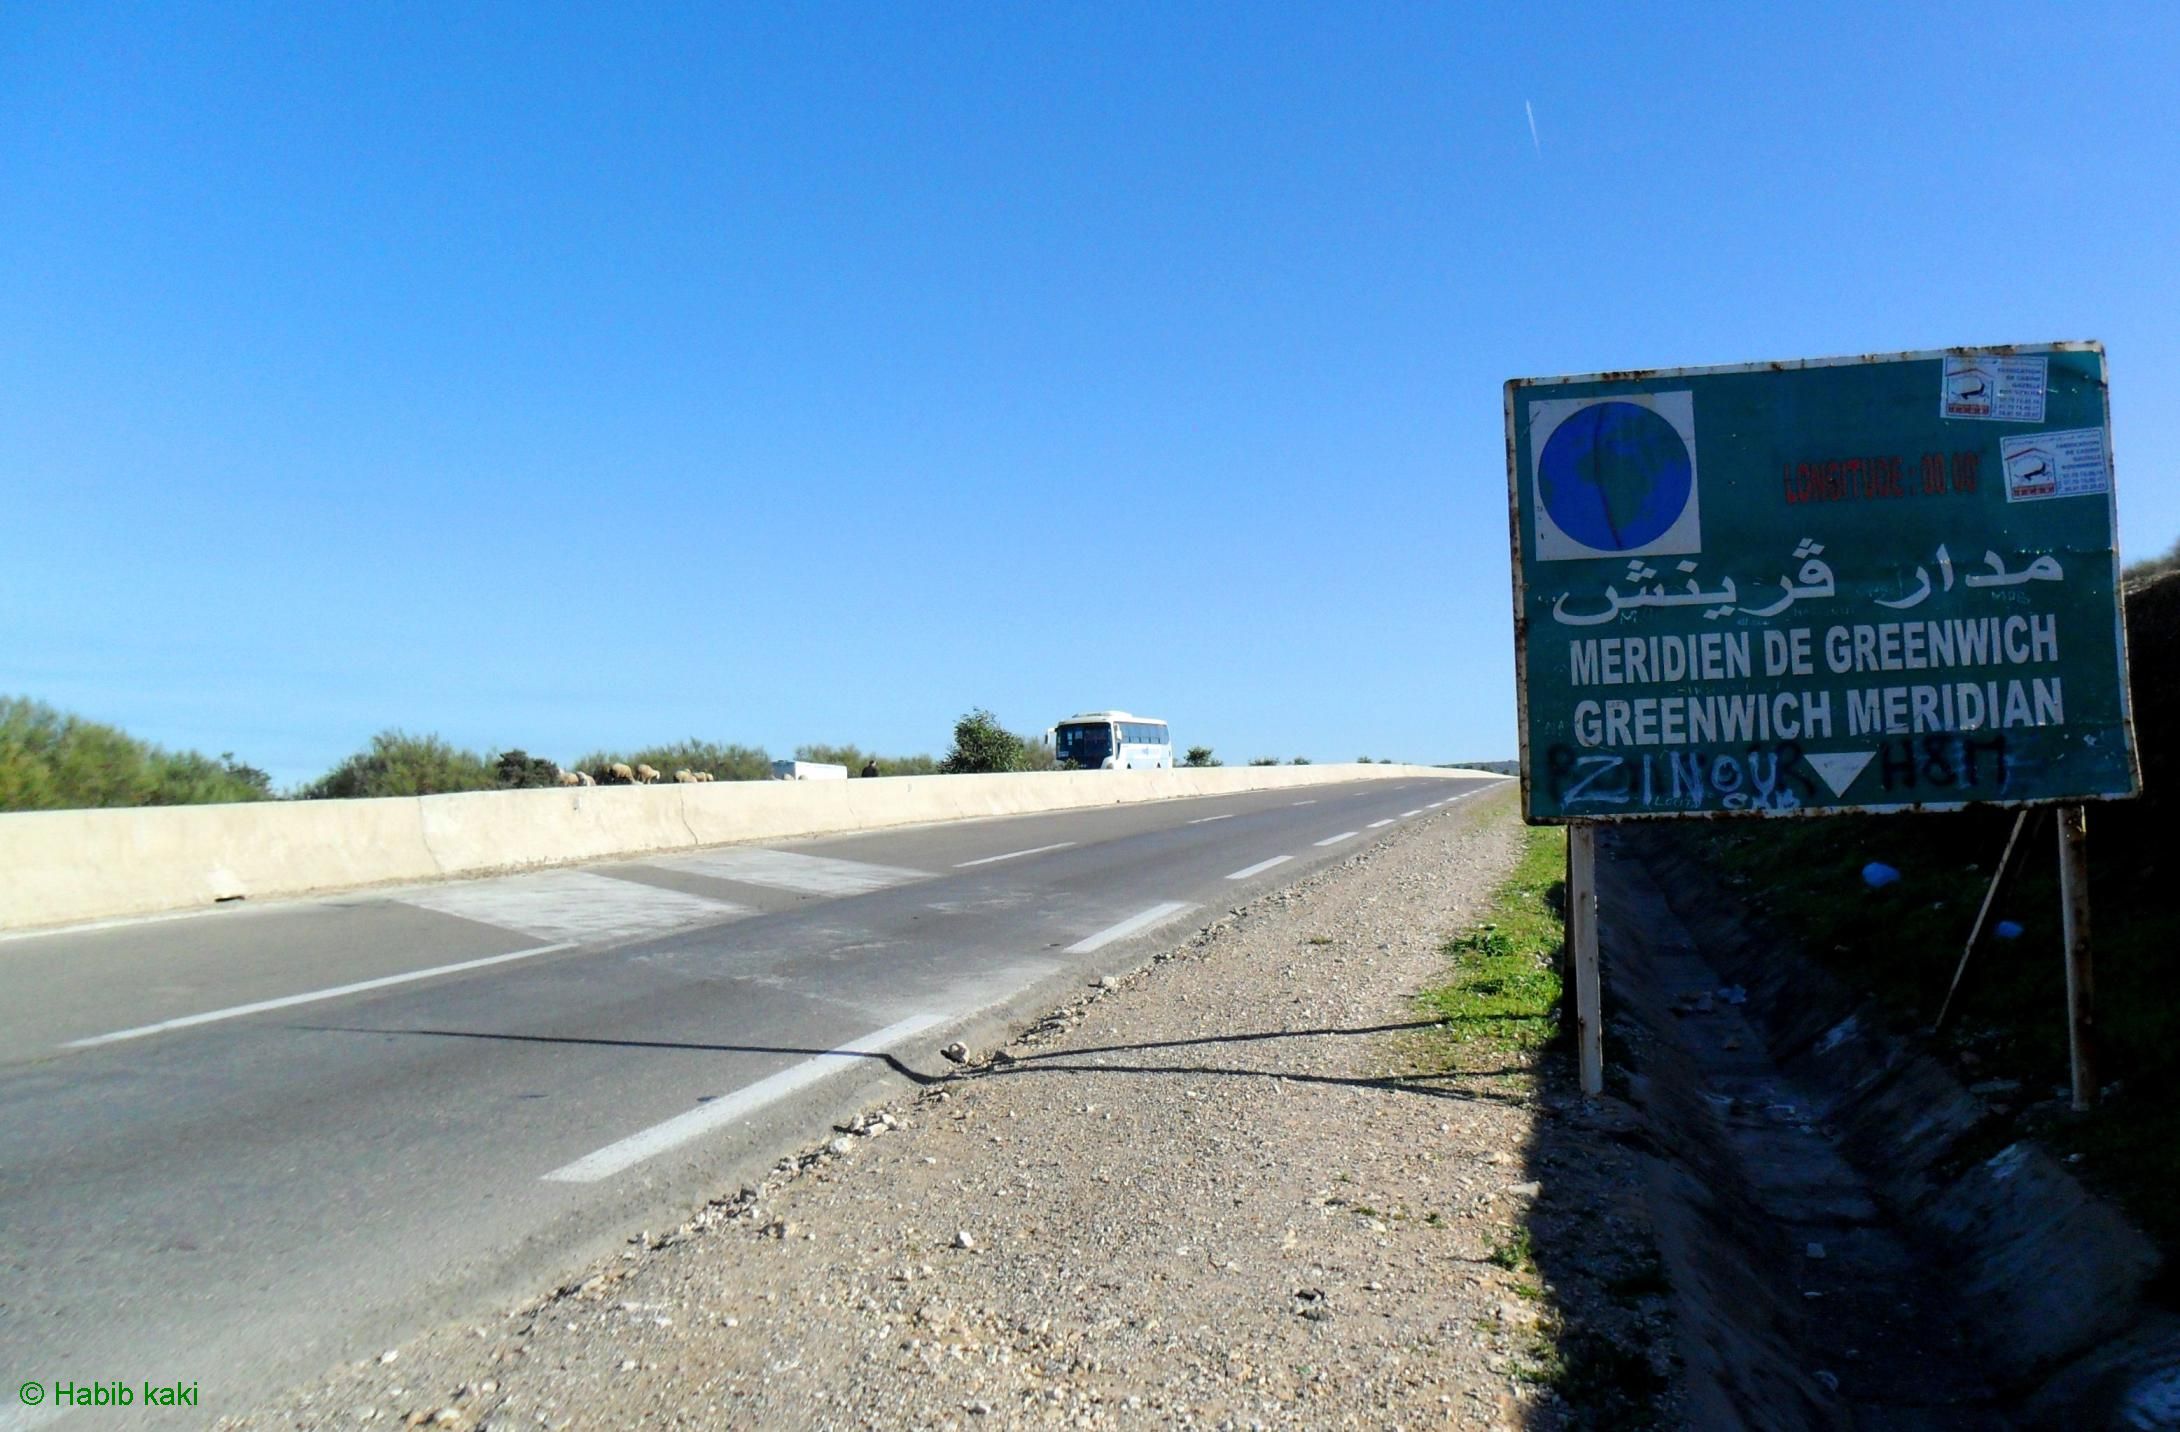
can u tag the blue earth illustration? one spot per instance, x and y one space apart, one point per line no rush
1615 476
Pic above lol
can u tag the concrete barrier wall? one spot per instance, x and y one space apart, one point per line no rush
65 867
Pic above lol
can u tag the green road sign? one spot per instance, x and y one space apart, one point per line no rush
1843 584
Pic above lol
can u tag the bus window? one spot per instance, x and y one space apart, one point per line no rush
1085 746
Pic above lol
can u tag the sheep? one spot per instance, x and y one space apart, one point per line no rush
684 778
571 778
585 778
703 775
619 774
646 774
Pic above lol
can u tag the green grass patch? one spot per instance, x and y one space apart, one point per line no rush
1504 992
1515 1253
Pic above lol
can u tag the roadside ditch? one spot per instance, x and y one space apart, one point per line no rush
1853 1239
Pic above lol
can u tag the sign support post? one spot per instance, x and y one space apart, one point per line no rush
1582 945
2074 924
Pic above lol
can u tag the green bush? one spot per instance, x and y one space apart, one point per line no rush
1300 761
519 770
1201 756
398 764
1264 760
982 745
50 760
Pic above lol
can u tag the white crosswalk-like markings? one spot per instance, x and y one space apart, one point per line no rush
785 870
572 905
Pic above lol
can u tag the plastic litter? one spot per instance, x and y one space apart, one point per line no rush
1877 875
2007 930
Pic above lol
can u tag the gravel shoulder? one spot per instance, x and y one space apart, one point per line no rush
1226 1189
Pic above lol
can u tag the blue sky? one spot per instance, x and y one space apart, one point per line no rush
580 378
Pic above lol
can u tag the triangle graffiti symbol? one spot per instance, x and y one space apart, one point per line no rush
1839 768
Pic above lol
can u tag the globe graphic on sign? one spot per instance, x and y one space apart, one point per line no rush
1615 476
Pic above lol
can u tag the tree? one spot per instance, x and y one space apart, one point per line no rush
50 760
2151 568
255 782
519 770
982 745
1201 756
1300 761
398 764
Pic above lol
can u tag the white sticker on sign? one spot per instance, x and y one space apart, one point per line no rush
2068 464
2002 390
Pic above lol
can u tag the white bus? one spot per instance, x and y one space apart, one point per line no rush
1112 741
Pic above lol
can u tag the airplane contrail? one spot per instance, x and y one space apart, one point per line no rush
1530 110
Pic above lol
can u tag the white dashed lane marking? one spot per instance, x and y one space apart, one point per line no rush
1307 802
1407 813
290 1001
1132 925
1016 854
1376 823
1207 819
785 870
1336 839
572 905
743 1102
1260 867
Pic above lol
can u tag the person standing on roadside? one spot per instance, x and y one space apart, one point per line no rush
870 767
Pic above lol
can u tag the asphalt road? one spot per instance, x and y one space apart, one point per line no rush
237 1148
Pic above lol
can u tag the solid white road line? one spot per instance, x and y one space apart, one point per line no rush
1407 813
704 1118
1015 854
290 1001
1206 820
1376 823
1127 927
1260 867
1336 839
